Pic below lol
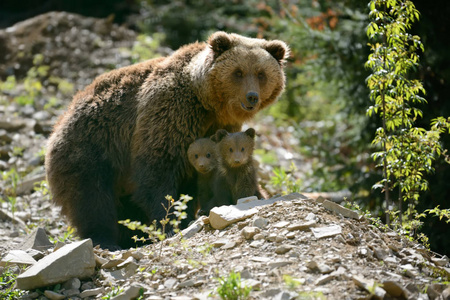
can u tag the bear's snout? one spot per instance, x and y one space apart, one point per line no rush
251 102
252 98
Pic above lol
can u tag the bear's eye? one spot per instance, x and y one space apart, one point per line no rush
242 150
231 149
196 155
261 76
208 155
238 73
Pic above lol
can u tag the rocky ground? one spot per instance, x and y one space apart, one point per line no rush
296 246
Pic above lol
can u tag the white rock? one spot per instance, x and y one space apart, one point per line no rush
322 232
18 257
221 217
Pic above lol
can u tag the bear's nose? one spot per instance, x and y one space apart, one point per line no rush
252 98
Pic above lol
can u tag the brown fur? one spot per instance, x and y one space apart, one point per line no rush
202 156
121 146
236 173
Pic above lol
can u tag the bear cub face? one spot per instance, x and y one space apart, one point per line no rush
235 149
202 155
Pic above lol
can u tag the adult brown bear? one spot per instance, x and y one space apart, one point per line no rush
121 146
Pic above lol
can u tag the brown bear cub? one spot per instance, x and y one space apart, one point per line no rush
202 155
236 173
121 146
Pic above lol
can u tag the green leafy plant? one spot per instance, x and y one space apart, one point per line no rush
7 283
157 232
12 179
114 292
291 282
231 288
285 180
407 152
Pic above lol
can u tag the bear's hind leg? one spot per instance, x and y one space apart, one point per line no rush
86 195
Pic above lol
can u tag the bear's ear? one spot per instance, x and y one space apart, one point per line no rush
219 42
250 132
220 134
278 49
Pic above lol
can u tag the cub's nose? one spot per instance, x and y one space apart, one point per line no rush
252 98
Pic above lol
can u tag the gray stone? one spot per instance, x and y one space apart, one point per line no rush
112 263
131 292
247 199
170 283
282 249
196 227
281 224
259 236
441 262
37 240
348 213
409 270
302 226
280 238
260 259
249 232
257 244
72 260
92 292
73 283
53 295
279 264
229 245
187 283
260 223
323 232
17 257
370 286
220 242
27 184
71 293
446 294
324 279
253 283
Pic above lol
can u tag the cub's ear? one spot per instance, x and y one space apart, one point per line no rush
220 42
220 134
250 132
278 49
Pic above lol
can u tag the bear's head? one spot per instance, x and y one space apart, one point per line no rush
245 75
202 155
234 149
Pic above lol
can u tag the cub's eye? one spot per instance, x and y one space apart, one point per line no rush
242 150
261 75
196 155
238 73
208 155
231 149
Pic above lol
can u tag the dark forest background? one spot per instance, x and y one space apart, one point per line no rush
326 96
